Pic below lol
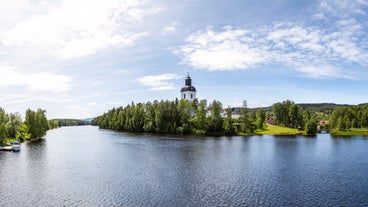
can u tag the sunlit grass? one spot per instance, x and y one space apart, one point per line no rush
278 130
351 132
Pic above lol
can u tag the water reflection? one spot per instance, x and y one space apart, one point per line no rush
85 166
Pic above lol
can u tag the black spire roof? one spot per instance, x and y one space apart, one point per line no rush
188 85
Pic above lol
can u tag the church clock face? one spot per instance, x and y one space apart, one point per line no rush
188 92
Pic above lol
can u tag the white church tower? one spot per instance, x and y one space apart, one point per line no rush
188 92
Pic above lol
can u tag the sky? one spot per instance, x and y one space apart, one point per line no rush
78 59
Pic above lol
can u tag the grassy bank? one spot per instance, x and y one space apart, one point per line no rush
351 132
278 130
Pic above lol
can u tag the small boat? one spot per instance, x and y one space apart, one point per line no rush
16 146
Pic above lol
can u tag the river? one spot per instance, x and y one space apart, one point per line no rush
86 166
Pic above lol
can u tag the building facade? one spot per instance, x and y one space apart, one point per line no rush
188 92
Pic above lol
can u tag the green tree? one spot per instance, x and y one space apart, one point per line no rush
311 127
228 124
185 112
22 133
215 120
244 120
260 116
3 134
281 113
200 118
37 123
3 116
149 118
13 124
296 115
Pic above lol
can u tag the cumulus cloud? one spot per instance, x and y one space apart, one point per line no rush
306 49
159 82
231 49
336 41
72 29
36 82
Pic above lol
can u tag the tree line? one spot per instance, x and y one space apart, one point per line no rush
345 118
12 127
171 117
55 123
185 117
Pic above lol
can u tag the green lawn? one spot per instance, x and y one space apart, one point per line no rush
279 130
351 132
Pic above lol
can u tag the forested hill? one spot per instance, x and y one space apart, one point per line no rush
315 107
321 107
70 122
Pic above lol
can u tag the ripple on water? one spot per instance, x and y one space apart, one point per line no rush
84 166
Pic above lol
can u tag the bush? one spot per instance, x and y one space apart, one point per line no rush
311 127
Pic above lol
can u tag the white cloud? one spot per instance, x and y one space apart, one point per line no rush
321 72
169 29
227 50
318 16
363 2
335 41
73 29
159 82
40 81
341 8
300 47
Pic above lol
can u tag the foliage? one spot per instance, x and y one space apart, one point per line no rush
289 114
22 133
37 123
345 118
228 124
311 127
164 117
13 128
55 123
13 124
200 118
215 120
260 116
183 116
3 134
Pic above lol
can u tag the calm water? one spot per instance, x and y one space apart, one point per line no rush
85 166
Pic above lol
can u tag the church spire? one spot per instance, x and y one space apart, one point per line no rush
188 80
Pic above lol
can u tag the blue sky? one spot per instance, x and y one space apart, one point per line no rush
77 59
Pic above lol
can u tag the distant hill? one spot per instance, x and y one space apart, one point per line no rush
88 119
316 107
321 107
71 122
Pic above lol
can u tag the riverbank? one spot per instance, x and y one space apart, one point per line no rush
351 132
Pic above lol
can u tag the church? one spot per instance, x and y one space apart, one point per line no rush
188 92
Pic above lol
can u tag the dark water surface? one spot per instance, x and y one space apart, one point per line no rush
85 166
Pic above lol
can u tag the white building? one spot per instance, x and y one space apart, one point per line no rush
188 92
